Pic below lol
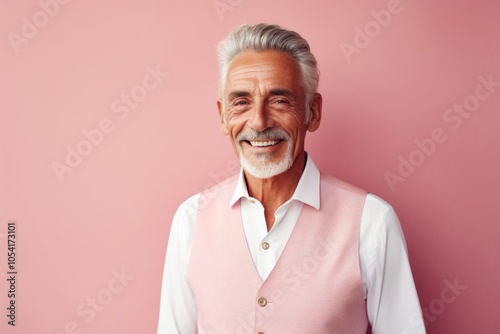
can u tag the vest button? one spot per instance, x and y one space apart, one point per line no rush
262 302
265 245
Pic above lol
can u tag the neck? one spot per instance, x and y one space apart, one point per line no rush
275 191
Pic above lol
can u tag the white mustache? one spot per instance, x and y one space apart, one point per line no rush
263 135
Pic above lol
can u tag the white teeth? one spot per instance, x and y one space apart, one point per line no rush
264 143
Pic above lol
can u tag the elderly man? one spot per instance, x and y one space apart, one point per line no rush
282 248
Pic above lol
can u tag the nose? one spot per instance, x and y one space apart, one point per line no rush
259 118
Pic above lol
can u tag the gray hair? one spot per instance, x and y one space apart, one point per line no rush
262 37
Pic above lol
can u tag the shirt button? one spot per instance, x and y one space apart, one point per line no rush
260 333
265 245
262 302
251 201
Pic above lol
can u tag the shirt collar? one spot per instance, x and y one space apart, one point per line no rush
307 190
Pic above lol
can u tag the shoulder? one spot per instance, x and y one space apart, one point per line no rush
221 191
187 210
331 183
380 212
379 221
376 207
185 214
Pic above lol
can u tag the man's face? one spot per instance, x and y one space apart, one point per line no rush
263 111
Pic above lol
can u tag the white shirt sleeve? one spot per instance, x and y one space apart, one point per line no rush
392 301
177 306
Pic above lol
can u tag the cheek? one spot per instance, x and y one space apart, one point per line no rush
235 125
296 127
234 130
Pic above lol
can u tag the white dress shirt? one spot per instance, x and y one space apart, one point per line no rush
392 302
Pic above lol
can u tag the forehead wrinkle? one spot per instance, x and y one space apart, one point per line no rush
261 76
247 83
252 76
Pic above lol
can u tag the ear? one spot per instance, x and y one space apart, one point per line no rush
315 112
223 125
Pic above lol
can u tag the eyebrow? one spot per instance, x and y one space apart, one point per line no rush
277 91
238 93
282 92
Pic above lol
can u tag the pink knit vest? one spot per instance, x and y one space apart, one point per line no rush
314 288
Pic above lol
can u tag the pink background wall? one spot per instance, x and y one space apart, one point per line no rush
91 242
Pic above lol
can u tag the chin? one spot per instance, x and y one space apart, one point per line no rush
264 169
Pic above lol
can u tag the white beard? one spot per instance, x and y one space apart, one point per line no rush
259 166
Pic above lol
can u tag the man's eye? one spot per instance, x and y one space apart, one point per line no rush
281 101
240 104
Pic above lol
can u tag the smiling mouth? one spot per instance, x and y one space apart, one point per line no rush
260 143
